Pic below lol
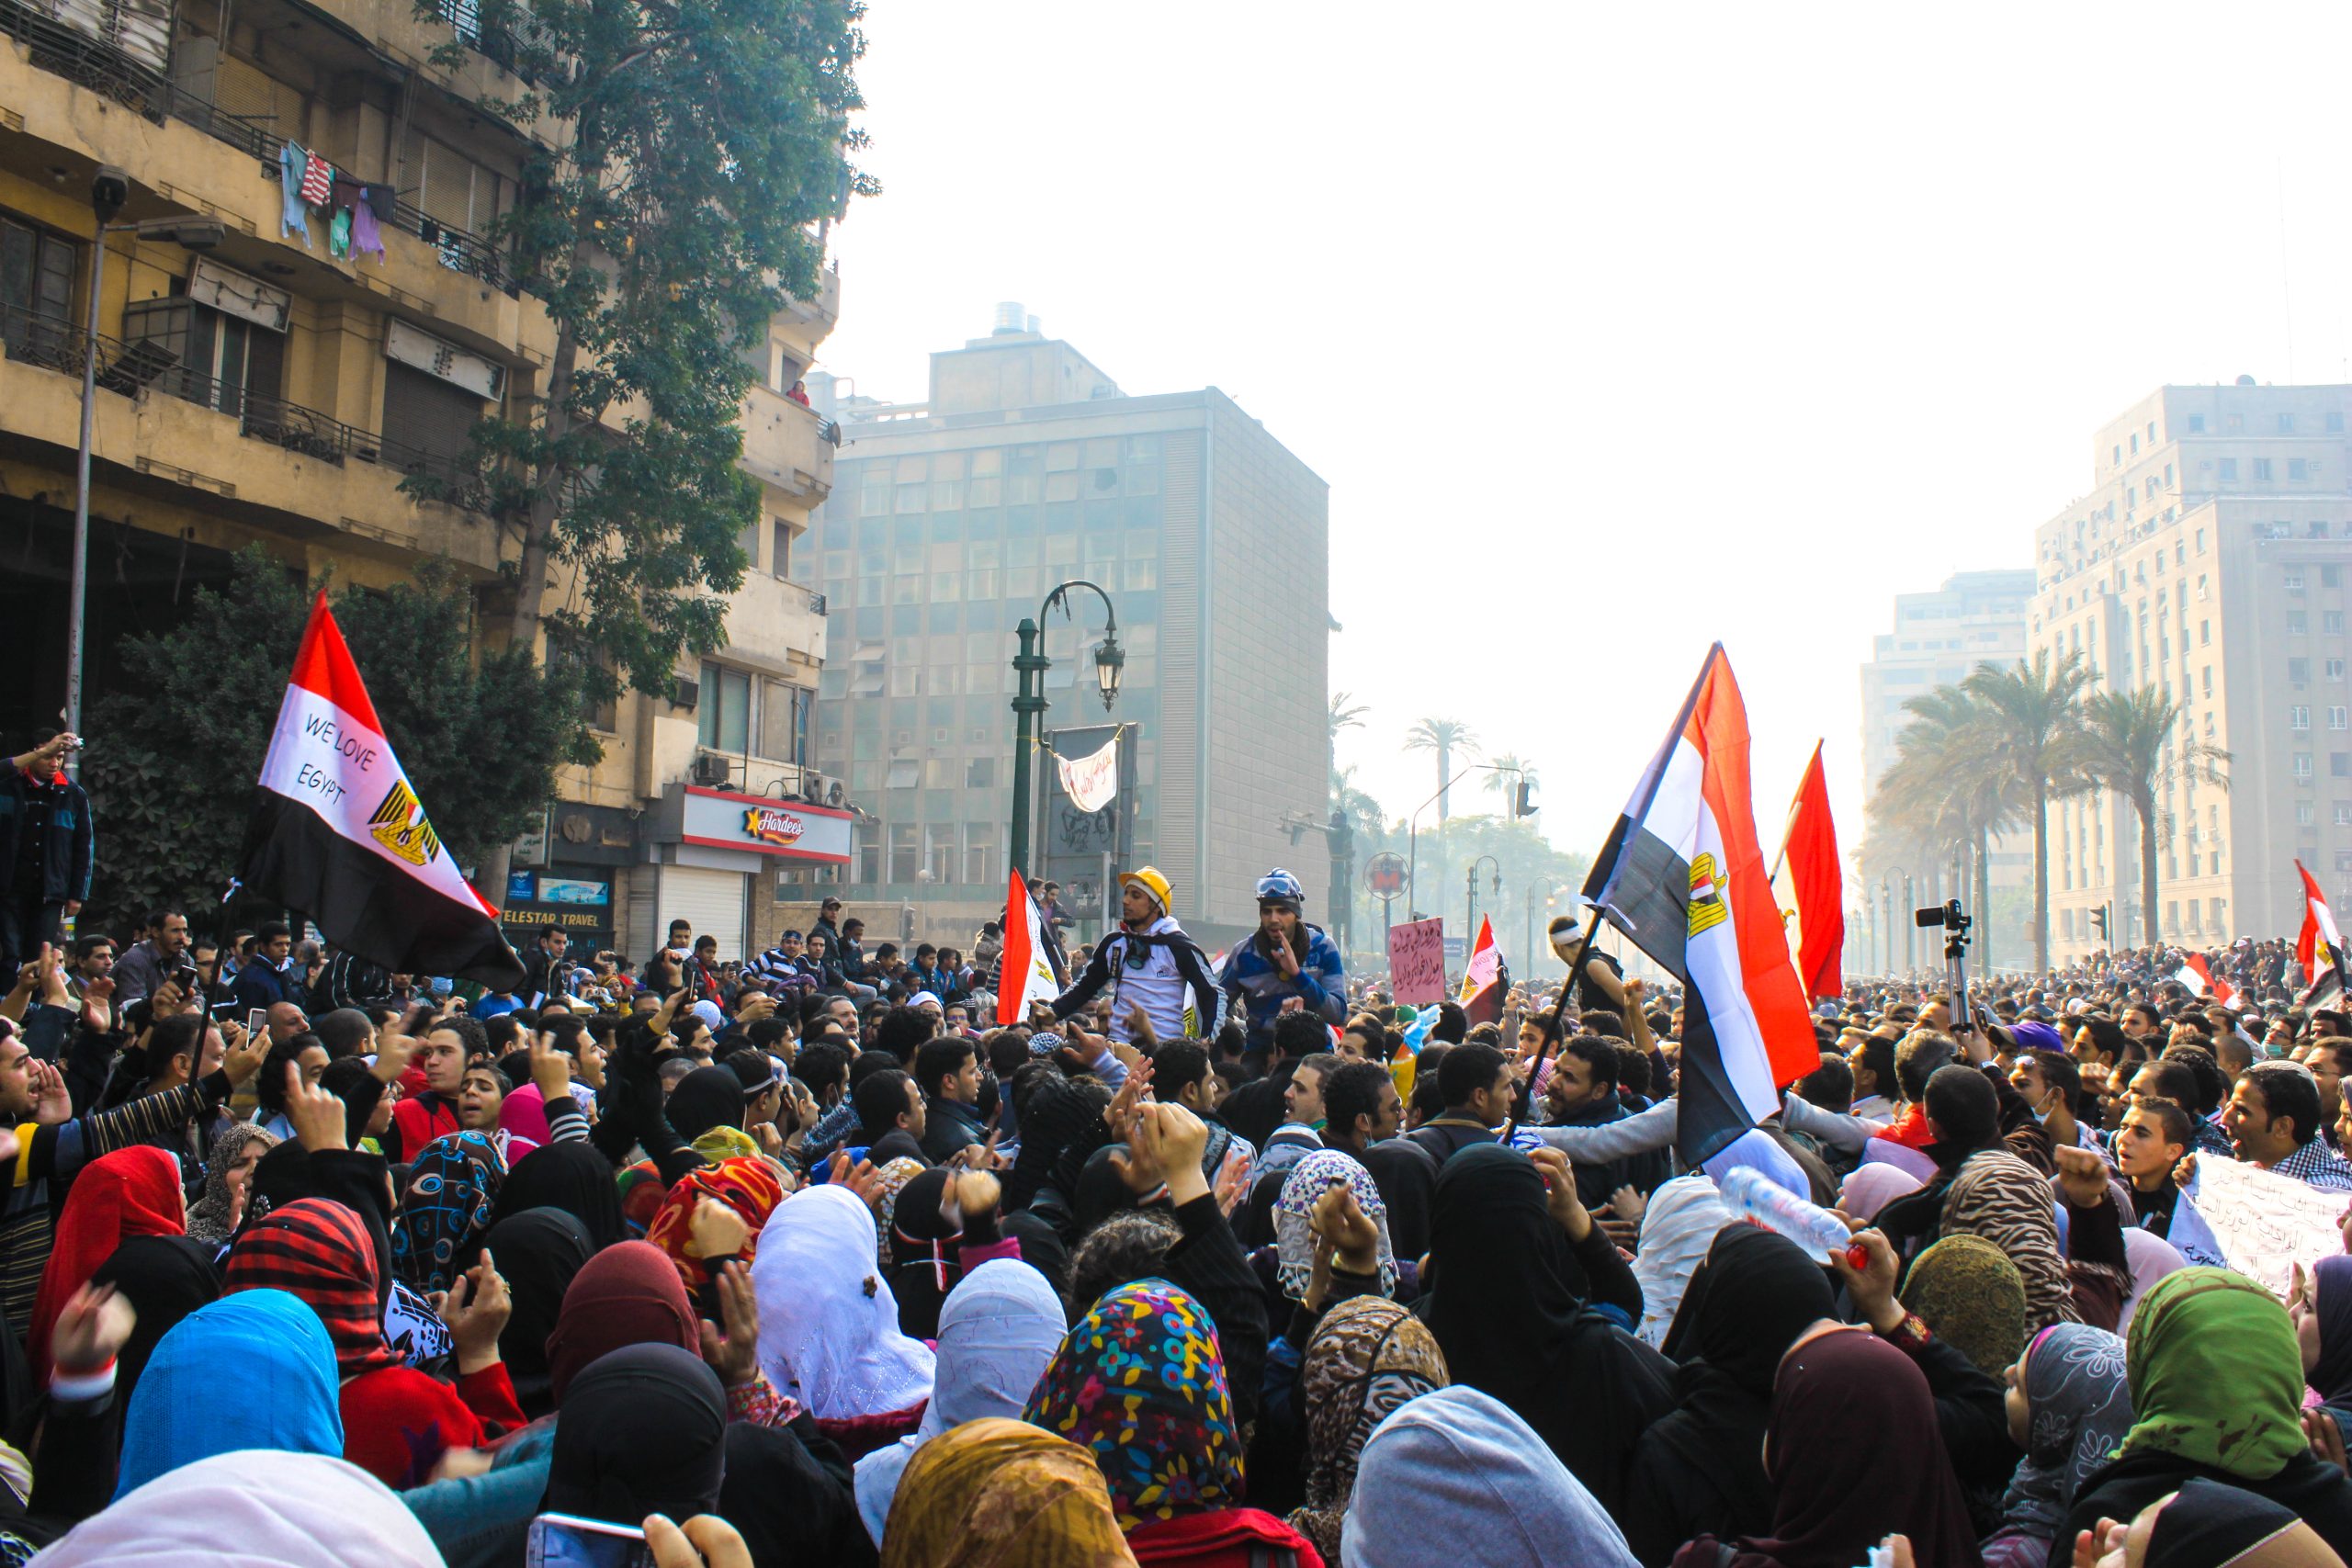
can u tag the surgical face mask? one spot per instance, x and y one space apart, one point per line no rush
2042 1113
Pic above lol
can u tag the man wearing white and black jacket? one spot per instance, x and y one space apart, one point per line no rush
1149 963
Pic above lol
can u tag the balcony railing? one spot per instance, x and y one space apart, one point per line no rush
105 69
127 368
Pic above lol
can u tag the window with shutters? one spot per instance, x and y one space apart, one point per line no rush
217 360
425 416
36 271
448 187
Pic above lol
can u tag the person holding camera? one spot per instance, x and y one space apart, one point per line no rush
46 844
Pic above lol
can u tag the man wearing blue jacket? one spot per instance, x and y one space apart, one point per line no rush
1288 958
45 851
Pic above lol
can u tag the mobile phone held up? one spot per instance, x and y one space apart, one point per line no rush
566 1540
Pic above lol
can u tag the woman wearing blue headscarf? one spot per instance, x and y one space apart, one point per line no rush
280 1392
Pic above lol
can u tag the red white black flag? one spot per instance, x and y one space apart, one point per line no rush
1683 876
338 833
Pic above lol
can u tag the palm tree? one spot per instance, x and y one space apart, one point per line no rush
1444 737
1948 789
1362 812
2129 747
2033 725
1509 774
1345 716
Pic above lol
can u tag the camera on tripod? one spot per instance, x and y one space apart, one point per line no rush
1954 921
1948 915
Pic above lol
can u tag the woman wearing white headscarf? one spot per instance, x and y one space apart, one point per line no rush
1000 1325
1676 1229
829 1325
1457 1466
255 1508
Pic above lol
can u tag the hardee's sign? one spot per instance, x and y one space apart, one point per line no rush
773 825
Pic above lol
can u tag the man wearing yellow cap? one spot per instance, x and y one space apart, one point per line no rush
1150 963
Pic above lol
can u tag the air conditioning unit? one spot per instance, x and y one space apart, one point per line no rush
712 771
835 795
686 694
812 787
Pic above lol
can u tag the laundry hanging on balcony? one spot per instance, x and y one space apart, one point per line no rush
292 163
318 181
339 234
359 209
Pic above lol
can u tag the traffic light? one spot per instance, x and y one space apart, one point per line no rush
1523 803
2099 918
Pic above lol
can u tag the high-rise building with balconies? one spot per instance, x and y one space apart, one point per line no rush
278 383
2209 560
953 517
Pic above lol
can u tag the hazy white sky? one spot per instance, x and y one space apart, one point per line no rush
1617 332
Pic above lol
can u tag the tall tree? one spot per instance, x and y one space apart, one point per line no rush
2129 746
1443 737
1949 791
700 144
2033 723
174 753
1345 715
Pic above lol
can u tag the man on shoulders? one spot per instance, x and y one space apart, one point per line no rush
1148 963
1287 958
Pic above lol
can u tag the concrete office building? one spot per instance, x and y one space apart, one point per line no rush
254 387
2209 560
953 518
1976 617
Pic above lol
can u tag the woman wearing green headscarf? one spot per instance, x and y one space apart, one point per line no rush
2216 1379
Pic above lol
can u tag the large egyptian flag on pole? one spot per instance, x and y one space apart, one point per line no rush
1025 972
1683 876
2318 946
1485 979
1811 887
338 833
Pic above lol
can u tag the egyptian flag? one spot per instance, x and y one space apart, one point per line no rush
1025 972
2318 946
337 833
1682 876
1486 980
1811 888
2195 974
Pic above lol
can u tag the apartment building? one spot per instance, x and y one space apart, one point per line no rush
2209 560
1976 617
1028 465
270 368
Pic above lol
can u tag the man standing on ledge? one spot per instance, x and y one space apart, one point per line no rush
1149 963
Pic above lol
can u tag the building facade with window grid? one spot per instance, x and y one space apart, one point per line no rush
2211 561
948 524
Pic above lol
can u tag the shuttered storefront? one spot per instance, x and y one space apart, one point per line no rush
713 900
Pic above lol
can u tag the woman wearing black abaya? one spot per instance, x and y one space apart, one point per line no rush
1700 1468
1508 1238
538 1251
572 1177
644 1430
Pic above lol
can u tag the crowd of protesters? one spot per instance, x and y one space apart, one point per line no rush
1208 1259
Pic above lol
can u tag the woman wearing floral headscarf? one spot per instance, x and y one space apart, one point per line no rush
1368 1357
1295 1235
2069 1406
712 1214
452 1192
228 1175
1001 1492
1140 1383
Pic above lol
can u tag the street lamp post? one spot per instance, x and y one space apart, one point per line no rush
1470 915
109 190
1413 825
1029 705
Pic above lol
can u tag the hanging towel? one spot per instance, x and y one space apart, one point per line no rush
366 236
318 181
291 218
339 233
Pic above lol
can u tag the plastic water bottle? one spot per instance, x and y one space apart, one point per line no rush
1753 1197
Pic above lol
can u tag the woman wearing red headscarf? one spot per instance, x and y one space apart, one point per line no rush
133 1192
397 1421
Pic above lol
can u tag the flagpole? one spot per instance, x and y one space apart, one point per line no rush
1556 1032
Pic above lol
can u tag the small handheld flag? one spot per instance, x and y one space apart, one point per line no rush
1027 969
337 832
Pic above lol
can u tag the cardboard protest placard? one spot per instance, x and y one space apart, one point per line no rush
1416 961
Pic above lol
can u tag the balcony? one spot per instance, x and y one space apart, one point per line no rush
161 427
776 623
171 144
788 445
